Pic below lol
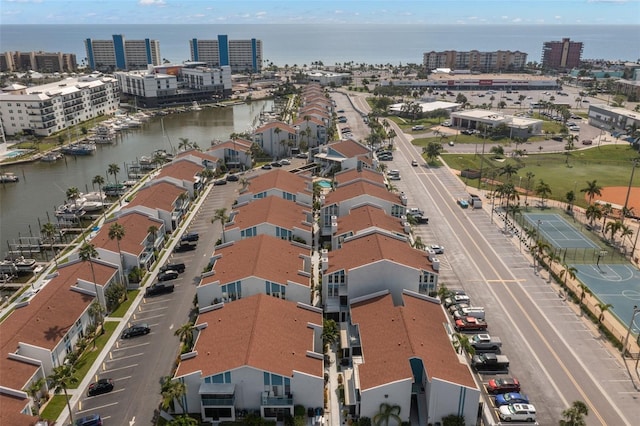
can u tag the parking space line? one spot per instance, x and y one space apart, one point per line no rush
124 357
119 368
98 408
130 347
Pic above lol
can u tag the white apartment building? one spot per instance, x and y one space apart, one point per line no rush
50 108
121 54
501 60
240 55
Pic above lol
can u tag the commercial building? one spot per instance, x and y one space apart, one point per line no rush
448 81
616 120
121 54
477 119
501 60
561 55
50 108
38 61
240 55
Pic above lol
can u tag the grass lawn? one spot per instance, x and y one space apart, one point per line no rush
54 407
124 306
610 165
89 357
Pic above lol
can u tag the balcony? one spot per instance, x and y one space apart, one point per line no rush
268 399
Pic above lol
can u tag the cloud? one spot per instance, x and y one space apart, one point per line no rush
557 17
261 13
516 20
338 12
151 2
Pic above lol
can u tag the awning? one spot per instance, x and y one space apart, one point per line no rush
217 389
349 388
344 339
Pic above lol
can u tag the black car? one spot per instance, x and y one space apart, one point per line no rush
185 247
232 178
276 164
135 330
168 275
190 236
178 267
100 387
159 288
220 182
92 420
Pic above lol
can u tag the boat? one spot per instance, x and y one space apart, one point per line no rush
8 177
114 189
103 134
195 106
24 265
79 149
69 211
92 201
50 157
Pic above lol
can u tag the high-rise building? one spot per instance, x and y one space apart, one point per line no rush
561 55
121 54
240 55
38 61
501 60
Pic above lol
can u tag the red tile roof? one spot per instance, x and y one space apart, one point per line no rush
391 335
312 119
370 248
181 169
351 175
365 217
359 188
276 124
280 179
136 226
199 154
239 145
262 256
260 331
10 413
349 148
159 195
274 210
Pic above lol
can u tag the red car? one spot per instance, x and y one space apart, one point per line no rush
470 324
508 384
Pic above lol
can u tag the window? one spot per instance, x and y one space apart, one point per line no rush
275 290
233 291
283 233
219 378
288 196
249 232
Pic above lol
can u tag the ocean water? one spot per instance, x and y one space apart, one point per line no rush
292 44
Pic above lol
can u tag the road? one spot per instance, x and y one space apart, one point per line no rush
556 354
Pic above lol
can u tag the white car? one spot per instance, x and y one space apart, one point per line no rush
285 162
517 413
436 248
446 124
394 177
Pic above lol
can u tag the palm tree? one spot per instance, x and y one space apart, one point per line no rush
114 169
543 190
604 307
171 391
509 170
185 333
73 194
183 421
277 131
49 231
571 198
221 215
592 189
117 232
568 271
34 390
60 380
593 213
613 228
418 244
184 144
574 415
98 180
387 412
86 253
153 232
330 332
432 150
96 312
464 343
584 290
606 211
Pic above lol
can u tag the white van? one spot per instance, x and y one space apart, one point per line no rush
470 311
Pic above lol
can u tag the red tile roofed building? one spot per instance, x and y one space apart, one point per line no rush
364 219
207 159
257 353
371 262
235 153
281 183
161 200
241 269
16 411
346 177
402 350
276 139
342 155
185 173
137 246
273 216
339 202
317 133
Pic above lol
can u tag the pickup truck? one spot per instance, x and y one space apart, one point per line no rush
159 288
485 343
470 324
490 362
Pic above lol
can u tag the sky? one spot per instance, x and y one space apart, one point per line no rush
449 12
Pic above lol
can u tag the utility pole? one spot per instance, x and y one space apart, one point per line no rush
626 200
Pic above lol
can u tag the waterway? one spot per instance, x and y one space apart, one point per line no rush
42 187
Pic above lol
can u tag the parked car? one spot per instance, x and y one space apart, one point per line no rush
446 124
178 267
266 167
159 288
511 398
100 387
91 420
136 330
232 178
470 324
414 163
220 182
587 142
394 177
302 155
504 385
517 413
463 203
418 127
276 164
190 236
167 275
455 299
436 248
185 246
285 162
451 143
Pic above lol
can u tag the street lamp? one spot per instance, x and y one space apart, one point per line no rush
626 200
602 254
636 310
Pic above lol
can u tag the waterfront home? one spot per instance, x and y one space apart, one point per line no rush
260 265
400 354
311 130
276 139
137 247
235 153
364 219
273 216
184 172
162 200
292 187
370 262
343 155
258 353
207 159
339 202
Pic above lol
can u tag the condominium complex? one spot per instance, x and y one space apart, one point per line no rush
501 60
561 55
121 54
46 62
240 55
50 108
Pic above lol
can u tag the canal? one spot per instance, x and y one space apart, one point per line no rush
43 186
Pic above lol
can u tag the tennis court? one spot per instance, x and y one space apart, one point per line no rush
618 285
558 232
